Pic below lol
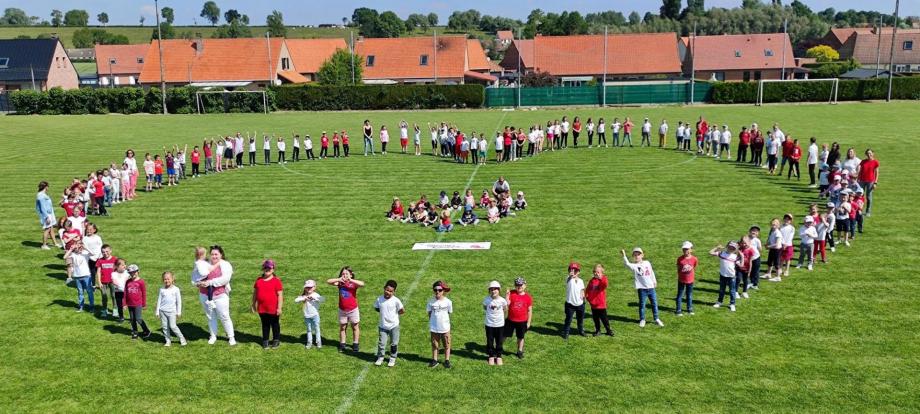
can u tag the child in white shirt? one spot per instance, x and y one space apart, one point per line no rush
496 310
645 282
311 302
169 309
439 309
389 307
807 235
728 261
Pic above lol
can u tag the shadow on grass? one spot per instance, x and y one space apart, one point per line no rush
649 306
55 266
551 329
30 243
57 275
471 350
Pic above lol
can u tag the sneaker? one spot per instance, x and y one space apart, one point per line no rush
731 308
392 362
134 336
68 281
717 305
433 363
737 295
183 342
447 363
491 361
147 334
354 347
745 295
276 344
659 322
749 286
691 313
833 249
379 361
755 287
45 247
642 323
775 279
79 310
319 346
212 340
498 361
678 314
308 345
232 342
167 344
811 267
520 354
342 348
846 243
798 266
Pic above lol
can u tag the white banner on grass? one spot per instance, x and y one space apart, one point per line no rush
453 246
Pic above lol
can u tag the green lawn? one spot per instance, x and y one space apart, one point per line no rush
841 338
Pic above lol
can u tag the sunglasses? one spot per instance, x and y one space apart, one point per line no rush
439 290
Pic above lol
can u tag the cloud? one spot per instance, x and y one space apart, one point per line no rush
148 10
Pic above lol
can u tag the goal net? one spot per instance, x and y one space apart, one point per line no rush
231 101
781 91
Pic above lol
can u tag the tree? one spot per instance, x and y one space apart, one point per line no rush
169 32
750 4
823 54
211 12
464 20
76 18
57 18
235 29
275 23
245 19
103 18
86 38
169 15
634 18
231 15
538 79
338 68
366 20
800 9
572 23
416 21
390 25
14 17
142 19
432 19
696 7
670 9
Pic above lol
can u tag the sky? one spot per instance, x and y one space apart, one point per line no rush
313 12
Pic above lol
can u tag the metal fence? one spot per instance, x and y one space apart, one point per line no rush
5 102
622 94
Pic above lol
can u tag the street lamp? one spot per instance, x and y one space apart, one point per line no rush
156 6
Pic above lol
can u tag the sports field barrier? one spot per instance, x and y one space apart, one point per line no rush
673 92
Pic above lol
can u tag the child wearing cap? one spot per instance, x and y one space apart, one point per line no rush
311 302
574 300
169 309
136 301
348 306
728 259
596 293
520 312
686 274
831 225
496 310
468 217
821 229
807 236
389 307
267 301
774 257
520 203
439 309
753 241
645 283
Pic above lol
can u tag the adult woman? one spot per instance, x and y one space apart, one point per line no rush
834 155
45 215
132 177
757 144
868 178
215 274
851 163
368 137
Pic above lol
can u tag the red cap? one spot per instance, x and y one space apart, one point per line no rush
574 265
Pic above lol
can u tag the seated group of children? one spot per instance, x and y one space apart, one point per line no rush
439 215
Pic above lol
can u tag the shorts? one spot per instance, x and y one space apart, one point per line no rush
171 171
404 141
440 337
228 153
50 223
482 154
773 258
149 178
353 316
843 225
518 328
158 178
788 252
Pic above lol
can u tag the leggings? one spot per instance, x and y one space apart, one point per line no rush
811 174
820 247
590 138
345 149
771 161
281 157
120 304
575 135
600 317
252 158
794 165
296 154
335 150
383 147
195 169
270 322
268 156
137 318
601 137
495 338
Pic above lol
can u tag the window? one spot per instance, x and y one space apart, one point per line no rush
757 75
370 61
901 68
719 76
737 53
423 60
140 60
4 63
908 45
768 52
112 61
285 64
747 76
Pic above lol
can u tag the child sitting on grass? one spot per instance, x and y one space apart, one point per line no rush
468 199
520 203
446 224
396 210
484 199
443 201
468 217
493 213
456 201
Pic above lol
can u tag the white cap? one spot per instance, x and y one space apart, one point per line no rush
638 250
687 245
809 219
309 283
495 285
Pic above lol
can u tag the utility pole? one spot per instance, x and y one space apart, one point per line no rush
878 50
894 35
692 53
435 63
352 35
520 77
785 40
268 44
156 6
604 83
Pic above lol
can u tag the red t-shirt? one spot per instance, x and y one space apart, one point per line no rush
158 167
344 139
596 292
135 293
507 137
746 255
686 269
335 139
855 207
787 147
196 157
627 127
518 304
266 292
106 267
701 129
577 126
324 142
69 207
207 151
348 296
796 153
745 138
868 171
99 189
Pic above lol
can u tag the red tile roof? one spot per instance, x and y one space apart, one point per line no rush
309 54
400 58
126 59
865 48
504 35
627 54
737 52
292 76
220 60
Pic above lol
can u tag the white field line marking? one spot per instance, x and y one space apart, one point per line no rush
356 384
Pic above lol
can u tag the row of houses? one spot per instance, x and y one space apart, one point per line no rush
259 62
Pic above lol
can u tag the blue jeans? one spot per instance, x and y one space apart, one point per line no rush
312 324
627 137
85 287
688 288
368 145
442 228
730 282
616 139
867 188
651 296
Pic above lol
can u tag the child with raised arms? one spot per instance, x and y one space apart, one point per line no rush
645 282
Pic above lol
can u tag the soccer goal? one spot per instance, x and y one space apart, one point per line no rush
831 99
230 100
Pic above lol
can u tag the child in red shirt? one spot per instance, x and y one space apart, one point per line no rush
686 271
596 294
345 143
105 265
267 300
324 146
136 301
520 312
335 144
158 170
795 154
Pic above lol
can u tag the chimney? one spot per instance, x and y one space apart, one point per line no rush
199 44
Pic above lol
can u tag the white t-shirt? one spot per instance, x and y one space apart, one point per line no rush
773 145
149 167
663 129
590 127
851 165
80 262
565 127
77 223
170 300
296 142
601 128
389 311
282 145
680 131
132 164
574 291
310 307
499 143
808 234
643 273
266 144
788 233
779 134
757 246
775 239
403 133
616 127
495 311
474 144
483 145
726 137
119 280
727 263
307 144
646 127
252 146
93 244
813 154
439 310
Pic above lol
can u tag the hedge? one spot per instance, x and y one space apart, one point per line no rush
848 90
181 100
325 98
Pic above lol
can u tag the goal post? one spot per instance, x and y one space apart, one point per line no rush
832 97
199 103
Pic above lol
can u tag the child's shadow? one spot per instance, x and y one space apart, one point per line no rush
648 305
57 275
55 266
63 303
551 329
471 350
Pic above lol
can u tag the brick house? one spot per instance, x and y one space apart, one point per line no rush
38 64
862 44
309 54
739 58
456 60
120 65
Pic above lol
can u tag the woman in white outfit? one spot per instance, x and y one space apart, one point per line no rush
215 274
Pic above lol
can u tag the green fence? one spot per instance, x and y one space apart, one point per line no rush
664 93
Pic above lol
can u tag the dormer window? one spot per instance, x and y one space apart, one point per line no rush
908 45
140 61
4 63
370 61
738 53
112 61
768 52
423 60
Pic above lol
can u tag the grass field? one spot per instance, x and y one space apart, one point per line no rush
841 338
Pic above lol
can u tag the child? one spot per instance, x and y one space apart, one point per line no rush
136 301
574 300
446 224
443 201
468 217
323 146
105 266
504 207
267 301
456 202
483 149
389 307
468 199
418 139
686 273
645 283
753 241
484 199
308 147
396 210
311 302
596 293
119 277
169 309
403 136
775 246
831 225
728 259
496 309
158 171
493 214
77 258
788 232
200 273
807 236
148 172
348 306
439 309
520 203
335 144
345 143
520 313
743 268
